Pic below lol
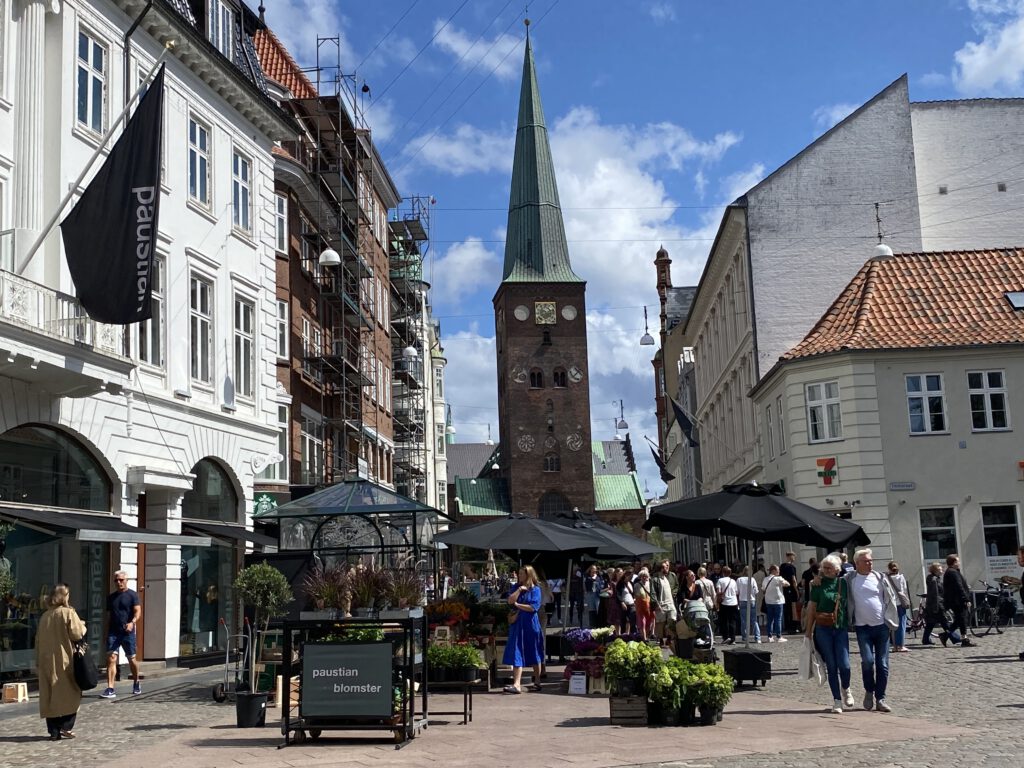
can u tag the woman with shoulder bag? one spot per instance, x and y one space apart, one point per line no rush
60 629
899 586
933 610
827 627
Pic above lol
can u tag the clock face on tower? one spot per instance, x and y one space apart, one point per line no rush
544 312
569 312
575 375
521 312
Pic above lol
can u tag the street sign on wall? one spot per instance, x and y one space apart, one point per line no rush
346 680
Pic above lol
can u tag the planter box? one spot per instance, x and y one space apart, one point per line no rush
751 664
402 613
628 710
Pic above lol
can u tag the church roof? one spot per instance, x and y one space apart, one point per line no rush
535 245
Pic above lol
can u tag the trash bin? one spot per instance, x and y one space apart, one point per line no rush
251 709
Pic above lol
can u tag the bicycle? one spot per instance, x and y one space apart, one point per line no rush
916 621
997 609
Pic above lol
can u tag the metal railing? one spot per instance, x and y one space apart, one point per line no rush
54 314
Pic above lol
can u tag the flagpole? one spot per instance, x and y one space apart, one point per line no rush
27 258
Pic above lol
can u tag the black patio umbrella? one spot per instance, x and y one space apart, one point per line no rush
757 512
616 543
518 533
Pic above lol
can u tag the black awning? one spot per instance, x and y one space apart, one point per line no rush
89 527
231 532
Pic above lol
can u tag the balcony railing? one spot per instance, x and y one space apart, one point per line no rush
52 313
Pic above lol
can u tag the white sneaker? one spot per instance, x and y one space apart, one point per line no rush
771 639
758 641
837 707
783 640
848 698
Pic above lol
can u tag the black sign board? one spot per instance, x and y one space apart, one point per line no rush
346 680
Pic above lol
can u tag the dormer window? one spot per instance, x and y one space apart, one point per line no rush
221 23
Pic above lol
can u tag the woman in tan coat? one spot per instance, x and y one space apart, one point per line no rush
59 695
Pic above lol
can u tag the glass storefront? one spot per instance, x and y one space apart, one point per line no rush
207 573
43 466
35 562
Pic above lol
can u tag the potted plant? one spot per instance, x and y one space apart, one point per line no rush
366 586
465 663
712 691
266 591
327 589
627 665
438 662
404 589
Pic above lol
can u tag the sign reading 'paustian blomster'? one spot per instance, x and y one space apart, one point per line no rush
346 680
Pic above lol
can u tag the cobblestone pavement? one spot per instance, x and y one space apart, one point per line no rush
951 706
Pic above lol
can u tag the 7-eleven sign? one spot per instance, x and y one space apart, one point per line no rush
828 471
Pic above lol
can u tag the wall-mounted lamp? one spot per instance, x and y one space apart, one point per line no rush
330 258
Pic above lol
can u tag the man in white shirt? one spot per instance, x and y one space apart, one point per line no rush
728 605
872 613
747 591
665 604
556 586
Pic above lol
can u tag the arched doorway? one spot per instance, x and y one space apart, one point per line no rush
208 572
46 467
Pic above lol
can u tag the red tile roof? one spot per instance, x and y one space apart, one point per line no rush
279 65
924 300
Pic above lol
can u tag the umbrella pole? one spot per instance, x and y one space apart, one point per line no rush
565 595
750 594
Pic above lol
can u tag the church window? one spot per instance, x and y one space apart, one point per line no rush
550 406
552 462
536 379
560 378
552 503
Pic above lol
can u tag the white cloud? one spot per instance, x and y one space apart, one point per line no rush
298 23
464 268
381 117
662 12
933 79
994 65
739 183
700 182
471 385
828 115
490 55
467 150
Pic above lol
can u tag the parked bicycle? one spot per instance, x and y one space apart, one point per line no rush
993 609
916 622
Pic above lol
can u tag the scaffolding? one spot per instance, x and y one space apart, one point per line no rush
336 150
409 231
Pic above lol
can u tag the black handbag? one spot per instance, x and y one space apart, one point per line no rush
87 676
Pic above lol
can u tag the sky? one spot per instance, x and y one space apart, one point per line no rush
659 112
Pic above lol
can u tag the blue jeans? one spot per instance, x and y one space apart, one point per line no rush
874 657
833 643
899 635
744 607
774 614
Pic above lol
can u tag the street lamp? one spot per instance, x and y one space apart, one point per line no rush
329 258
646 340
410 353
450 429
621 423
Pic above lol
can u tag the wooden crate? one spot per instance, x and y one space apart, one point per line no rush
628 710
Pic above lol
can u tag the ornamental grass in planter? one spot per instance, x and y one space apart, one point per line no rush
404 588
328 589
367 586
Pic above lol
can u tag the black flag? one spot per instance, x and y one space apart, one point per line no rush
684 422
110 234
666 476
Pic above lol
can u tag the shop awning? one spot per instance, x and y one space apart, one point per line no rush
88 527
231 533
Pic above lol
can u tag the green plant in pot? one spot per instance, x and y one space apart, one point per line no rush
266 591
404 588
628 664
439 658
712 689
465 662
367 586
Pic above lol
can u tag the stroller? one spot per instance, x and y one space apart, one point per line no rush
698 622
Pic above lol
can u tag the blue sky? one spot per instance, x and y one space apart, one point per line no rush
659 114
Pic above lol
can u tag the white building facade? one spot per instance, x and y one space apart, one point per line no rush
906 422
153 425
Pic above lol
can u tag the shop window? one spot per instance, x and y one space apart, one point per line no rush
40 465
1000 524
212 496
206 598
938 533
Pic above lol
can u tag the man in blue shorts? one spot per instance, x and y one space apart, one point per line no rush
125 612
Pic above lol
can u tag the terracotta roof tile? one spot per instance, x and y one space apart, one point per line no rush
923 300
279 65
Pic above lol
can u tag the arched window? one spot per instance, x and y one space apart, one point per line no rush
212 496
536 379
561 380
553 502
42 465
552 462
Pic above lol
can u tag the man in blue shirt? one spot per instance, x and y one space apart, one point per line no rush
125 611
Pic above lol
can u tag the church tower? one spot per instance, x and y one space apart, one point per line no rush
541 335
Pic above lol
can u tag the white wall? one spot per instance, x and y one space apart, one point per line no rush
812 222
969 147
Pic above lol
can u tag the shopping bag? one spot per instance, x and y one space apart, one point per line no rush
86 674
810 666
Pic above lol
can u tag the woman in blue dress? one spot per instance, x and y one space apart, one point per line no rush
525 641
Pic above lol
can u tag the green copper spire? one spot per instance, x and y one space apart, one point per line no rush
535 247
